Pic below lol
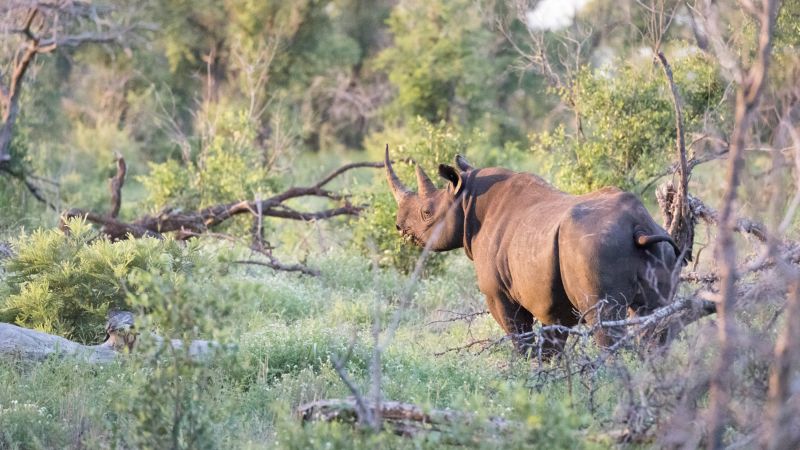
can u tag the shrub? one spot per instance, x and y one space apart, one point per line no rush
221 170
628 123
171 406
66 283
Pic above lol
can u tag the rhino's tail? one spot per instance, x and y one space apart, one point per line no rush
643 240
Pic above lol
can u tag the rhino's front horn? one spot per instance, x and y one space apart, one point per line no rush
425 185
399 191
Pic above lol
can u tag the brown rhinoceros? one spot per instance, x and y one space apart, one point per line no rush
539 253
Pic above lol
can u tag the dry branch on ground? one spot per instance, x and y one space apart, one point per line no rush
404 419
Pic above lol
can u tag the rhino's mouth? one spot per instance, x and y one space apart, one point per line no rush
410 237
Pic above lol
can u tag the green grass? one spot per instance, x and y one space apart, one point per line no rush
288 329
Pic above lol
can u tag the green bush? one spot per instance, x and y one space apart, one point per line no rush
170 406
628 123
65 283
227 166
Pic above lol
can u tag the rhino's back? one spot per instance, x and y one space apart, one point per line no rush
555 253
516 251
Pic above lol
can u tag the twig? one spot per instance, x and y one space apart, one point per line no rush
751 83
274 264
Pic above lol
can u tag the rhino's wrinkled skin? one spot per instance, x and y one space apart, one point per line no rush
539 253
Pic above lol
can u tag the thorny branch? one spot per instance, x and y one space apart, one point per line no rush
635 326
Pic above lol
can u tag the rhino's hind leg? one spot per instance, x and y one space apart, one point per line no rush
609 309
518 323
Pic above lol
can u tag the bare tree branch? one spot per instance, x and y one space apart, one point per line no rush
681 227
189 224
750 85
115 185
53 19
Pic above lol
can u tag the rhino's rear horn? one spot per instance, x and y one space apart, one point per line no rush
399 190
425 185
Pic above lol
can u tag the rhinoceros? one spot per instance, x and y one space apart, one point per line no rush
539 253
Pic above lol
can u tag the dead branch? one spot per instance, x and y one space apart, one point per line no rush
681 226
277 265
693 307
188 224
781 418
779 431
115 184
263 250
456 316
403 419
750 86
43 30
742 224
698 210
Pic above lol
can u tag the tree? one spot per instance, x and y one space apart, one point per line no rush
33 28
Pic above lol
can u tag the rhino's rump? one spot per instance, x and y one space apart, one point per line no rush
559 256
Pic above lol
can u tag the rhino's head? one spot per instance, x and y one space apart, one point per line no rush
431 217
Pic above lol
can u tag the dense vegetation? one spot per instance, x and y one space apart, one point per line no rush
212 102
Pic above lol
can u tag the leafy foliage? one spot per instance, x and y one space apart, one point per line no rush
627 120
228 167
168 405
65 283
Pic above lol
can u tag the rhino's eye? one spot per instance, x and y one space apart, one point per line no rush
426 214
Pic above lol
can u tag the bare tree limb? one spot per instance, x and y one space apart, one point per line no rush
51 18
751 84
274 264
192 223
681 227
404 419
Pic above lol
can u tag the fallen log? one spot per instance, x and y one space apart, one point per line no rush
409 420
31 345
404 419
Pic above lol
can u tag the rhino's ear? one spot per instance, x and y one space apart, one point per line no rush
453 176
463 164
